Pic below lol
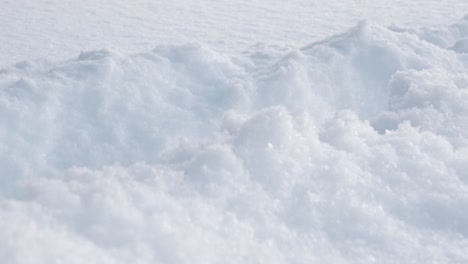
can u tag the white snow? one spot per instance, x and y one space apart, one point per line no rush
350 149
60 29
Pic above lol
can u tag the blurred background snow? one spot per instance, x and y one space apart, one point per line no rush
59 29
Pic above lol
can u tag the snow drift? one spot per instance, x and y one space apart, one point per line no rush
351 149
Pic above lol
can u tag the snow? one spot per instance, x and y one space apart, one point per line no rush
60 29
144 146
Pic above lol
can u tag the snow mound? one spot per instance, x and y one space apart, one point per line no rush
351 149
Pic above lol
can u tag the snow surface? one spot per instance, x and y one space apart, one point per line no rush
351 149
51 29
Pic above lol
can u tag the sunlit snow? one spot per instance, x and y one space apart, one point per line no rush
350 149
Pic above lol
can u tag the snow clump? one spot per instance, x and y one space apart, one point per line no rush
353 149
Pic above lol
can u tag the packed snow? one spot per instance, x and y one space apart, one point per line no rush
350 149
60 29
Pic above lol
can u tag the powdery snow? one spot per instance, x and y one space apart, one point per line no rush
352 149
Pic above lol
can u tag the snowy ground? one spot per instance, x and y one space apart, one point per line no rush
233 132
60 29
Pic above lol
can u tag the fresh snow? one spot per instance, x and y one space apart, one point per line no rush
211 132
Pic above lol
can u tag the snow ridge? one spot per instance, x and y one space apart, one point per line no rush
351 149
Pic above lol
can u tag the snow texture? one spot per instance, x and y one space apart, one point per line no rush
352 149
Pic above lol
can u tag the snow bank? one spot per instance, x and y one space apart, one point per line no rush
351 149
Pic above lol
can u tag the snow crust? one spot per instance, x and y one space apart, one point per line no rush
353 149
59 29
